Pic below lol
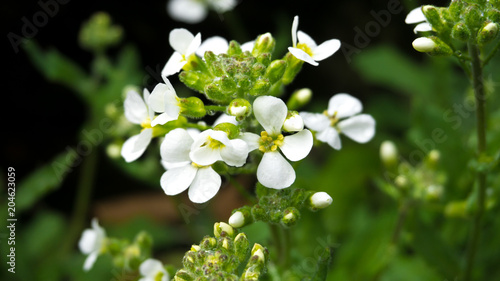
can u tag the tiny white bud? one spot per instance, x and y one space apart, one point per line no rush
303 95
388 153
424 44
320 200
293 123
219 227
261 38
238 110
113 150
237 219
401 181
260 254
434 156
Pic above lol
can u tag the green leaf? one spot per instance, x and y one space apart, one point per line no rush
45 179
57 68
387 66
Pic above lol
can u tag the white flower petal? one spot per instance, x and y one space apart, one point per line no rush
135 108
251 139
90 260
295 26
248 46
205 155
235 154
176 146
88 241
205 185
151 267
306 39
271 113
360 128
216 44
315 121
222 6
180 39
345 105
225 118
195 44
326 49
297 146
301 55
415 16
422 27
189 11
151 112
161 119
174 64
135 146
176 180
330 136
274 171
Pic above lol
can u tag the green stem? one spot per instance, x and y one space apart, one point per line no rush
403 211
281 251
479 94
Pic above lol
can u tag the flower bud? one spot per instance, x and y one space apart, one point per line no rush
240 108
208 243
230 129
320 200
487 33
259 251
401 182
183 275
493 15
113 151
192 107
293 122
227 84
260 87
432 45
237 220
433 158
213 64
275 71
234 48
433 16
241 244
264 44
299 98
472 16
460 32
433 192
293 66
456 8
290 216
214 93
223 229
98 34
389 154
194 80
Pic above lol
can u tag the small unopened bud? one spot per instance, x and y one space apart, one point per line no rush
432 15
293 122
456 209
113 150
230 129
433 192
183 275
264 44
290 216
222 229
194 80
259 251
434 156
487 33
401 182
241 246
275 70
237 219
472 15
389 154
461 32
299 98
234 48
432 45
456 8
195 248
239 108
193 107
320 200
493 15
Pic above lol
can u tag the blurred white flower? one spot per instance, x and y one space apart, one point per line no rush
274 171
307 50
184 44
153 270
91 243
195 11
417 16
360 128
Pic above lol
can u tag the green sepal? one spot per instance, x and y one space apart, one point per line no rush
276 70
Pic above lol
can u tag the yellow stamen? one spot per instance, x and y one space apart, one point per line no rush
269 144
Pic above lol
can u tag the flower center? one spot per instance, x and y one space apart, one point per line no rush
159 276
268 143
305 48
197 165
213 143
146 124
333 118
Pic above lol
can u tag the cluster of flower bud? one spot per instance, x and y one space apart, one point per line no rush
419 181
280 207
98 33
465 21
222 257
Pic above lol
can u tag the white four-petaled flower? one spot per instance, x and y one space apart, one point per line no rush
307 50
274 171
91 243
358 127
184 44
153 270
417 16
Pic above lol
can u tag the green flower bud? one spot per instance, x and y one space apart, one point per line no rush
240 108
261 87
223 229
214 93
192 107
290 216
260 252
401 182
264 59
194 80
433 192
293 67
208 243
460 32
493 15
432 45
389 154
231 130
433 16
241 244
213 64
183 275
227 84
275 71
495 3
234 48
487 33
144 241
258 70
299 98
264 44
432 158
456 9
473 17
97 33
225 242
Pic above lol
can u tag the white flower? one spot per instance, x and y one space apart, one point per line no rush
164 100
219 45
194 11
153 270
91 243
211 146
139 111
274 171
307 50
417 16
360 128
203 182
184 44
